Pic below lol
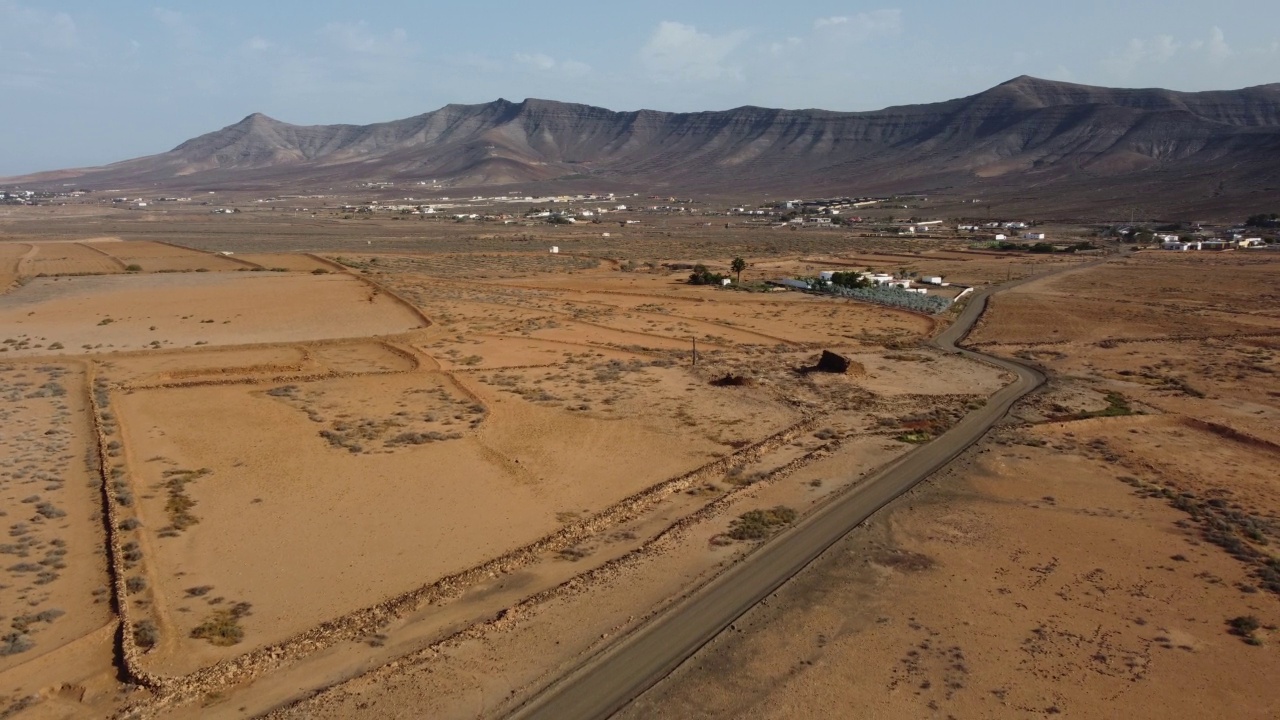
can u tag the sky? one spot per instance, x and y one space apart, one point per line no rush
84 82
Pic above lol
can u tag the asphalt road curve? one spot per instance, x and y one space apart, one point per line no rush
606 681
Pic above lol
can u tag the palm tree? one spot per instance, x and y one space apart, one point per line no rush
738 266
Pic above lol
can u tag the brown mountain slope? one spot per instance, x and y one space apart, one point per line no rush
1023 133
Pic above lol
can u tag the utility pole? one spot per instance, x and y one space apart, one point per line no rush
695 352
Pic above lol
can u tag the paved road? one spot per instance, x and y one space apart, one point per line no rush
608 680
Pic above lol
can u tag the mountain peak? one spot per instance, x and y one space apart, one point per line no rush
258 119
1029 83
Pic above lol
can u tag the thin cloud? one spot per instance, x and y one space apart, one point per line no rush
1202 57
679 52
542 62
877 23
182 32
23 26
358 39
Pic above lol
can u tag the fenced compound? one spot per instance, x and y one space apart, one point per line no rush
895 297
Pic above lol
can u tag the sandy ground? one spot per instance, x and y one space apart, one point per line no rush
377 521
53 589
1026 582
477 674
11 254
68 258
1085 560
292 262
543 358
311 486
159 257
109 313
1144 297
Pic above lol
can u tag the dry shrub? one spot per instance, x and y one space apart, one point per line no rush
222 628
760 524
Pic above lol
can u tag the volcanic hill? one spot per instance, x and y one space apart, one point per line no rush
1073 145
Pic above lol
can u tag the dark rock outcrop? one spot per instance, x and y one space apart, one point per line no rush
832 363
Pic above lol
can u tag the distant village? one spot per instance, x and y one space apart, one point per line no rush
816 214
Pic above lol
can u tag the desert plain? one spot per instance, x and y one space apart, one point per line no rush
268 465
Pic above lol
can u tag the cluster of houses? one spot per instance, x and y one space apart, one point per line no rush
921 227
1001 230
887 280
143 202
1175 243
573 215
461 208
993 226
821 207
827 206
17 197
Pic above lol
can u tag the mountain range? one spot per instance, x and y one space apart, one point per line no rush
1028 138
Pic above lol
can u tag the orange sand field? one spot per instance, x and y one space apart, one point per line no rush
449 468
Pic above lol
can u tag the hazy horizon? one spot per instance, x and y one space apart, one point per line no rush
89 85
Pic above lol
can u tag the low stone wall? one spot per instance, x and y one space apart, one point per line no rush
417 312
579 583
172 692
129 654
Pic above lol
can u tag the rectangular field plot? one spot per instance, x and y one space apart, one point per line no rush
293 262
359 357
69 258
113 313
211 364
53 579
11 254
310 500
158 257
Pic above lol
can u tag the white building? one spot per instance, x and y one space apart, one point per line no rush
555 249
1033 236
1000 236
